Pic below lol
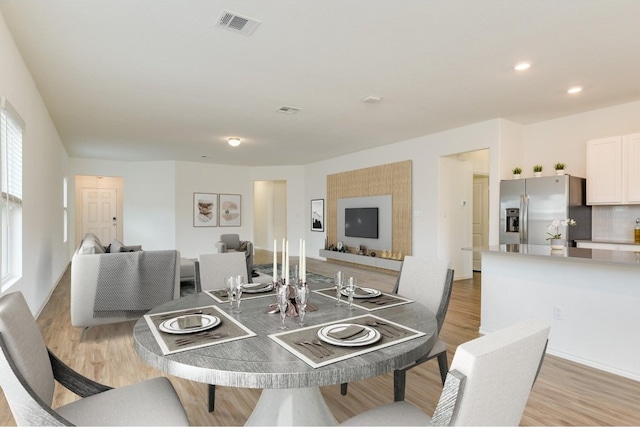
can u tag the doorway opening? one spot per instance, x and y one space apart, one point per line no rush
270 213
461 205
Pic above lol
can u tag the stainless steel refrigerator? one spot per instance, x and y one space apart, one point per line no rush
528 206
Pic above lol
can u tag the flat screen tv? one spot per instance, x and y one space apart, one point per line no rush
361 222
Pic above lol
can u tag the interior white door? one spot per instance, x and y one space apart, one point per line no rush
99 213
480 217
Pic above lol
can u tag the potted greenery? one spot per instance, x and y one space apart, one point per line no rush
559 167
516 172
537 170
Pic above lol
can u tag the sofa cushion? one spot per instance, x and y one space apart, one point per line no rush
90 246
117 246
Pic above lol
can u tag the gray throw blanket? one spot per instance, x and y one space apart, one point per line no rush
131 284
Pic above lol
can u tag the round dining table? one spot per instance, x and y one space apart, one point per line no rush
291 394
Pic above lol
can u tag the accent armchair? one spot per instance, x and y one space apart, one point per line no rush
232 243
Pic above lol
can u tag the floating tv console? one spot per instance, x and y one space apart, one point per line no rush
363 260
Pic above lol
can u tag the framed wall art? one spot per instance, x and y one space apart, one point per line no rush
317 215
205 210
230 210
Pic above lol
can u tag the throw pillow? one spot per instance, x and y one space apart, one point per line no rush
135 248
116 246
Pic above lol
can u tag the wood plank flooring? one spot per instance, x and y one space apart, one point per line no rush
566 393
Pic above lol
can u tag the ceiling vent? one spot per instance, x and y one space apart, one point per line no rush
238 24
288 110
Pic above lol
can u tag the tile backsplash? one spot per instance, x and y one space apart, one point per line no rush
614 223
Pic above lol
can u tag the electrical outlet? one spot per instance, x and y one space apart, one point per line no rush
557 313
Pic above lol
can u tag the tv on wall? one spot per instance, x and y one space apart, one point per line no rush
361 222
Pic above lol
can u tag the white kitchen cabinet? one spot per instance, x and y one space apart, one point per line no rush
632 145
613 170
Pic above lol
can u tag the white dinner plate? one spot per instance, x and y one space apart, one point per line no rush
253 289
370 337
171 326
370 293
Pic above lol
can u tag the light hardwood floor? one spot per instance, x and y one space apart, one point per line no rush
565 393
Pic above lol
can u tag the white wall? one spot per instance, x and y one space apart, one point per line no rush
564 139
424 153
149 215
207 178
44 255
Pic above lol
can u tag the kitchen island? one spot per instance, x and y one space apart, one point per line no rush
590 297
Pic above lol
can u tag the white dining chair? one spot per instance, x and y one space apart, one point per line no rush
489 383
28 372
428 282
211 269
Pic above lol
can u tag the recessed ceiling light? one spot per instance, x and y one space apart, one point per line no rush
575 89
522 66
234 142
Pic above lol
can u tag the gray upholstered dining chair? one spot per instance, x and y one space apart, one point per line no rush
211 269
489 383
28 371
429 282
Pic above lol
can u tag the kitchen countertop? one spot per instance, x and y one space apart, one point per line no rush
609 242
602 256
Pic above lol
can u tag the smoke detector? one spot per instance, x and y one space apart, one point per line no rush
239 24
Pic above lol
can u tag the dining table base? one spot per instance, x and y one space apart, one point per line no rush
291 407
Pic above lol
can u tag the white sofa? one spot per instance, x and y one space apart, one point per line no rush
115 286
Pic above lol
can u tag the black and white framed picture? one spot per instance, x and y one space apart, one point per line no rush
205 209
230 210
317 215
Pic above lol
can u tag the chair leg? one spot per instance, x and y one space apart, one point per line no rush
399 382
343 389
444 366
212 396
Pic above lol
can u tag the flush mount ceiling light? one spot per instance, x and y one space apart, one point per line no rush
371 99
521 66
234 142
574 90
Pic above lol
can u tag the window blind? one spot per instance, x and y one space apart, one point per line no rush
11 128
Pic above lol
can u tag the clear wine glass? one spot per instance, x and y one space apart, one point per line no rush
239 285
231 289
302 297
283 304
338 281
351 289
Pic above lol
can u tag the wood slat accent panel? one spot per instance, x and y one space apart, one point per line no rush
391 178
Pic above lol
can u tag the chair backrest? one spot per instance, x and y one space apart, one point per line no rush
231 240
427 281
24 347
500 369
213 268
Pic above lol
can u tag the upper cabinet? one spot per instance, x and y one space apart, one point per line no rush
613 170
